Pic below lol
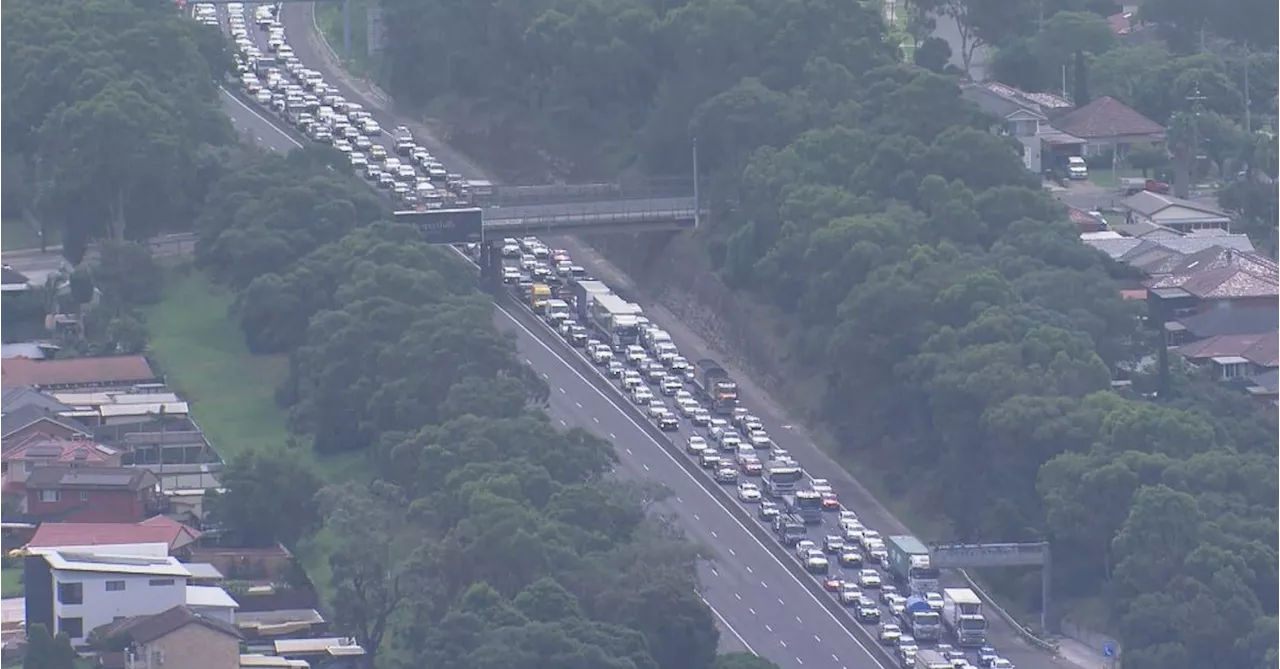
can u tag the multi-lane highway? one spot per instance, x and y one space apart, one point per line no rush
758 599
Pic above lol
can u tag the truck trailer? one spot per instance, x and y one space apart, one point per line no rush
789 529
928 658
910 565
962 614
582 292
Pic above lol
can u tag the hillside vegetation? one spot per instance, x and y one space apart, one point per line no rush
966 339
490 538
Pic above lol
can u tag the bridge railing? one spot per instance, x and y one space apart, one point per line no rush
515 195
617 221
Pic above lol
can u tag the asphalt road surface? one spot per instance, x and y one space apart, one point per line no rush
762 604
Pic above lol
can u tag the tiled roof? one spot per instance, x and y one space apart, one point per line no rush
1150 204
52 478
1230 322
25 416
57 535
1218 273
145 629
62 450
1260 349
1105 118
12 399
75 371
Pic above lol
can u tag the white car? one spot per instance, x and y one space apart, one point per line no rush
847 516
635 354
816 562
934 599
657 409
820 485
631 379
869 578
641 395
869 537
748 492
695 444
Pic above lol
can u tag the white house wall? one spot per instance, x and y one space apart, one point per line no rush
100 607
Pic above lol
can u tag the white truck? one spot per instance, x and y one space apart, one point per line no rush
962 614
928 658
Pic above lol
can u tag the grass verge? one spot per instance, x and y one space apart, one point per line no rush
232 392
11 582
1108 178
19 235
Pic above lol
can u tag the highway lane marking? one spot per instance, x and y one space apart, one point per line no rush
738 596
579 404
784 643
799 661
646 467
563 424
562 392
597 420
802 622
679 501
817 638
728 626
691 477
731 552
613 436
714 535
766 585
714 572
753 612
749 570
766 626
628 451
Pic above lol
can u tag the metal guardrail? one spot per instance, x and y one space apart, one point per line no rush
1022 630
515 195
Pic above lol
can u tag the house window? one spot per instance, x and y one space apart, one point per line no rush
84 495
115 586
49 496
70 593
161 581
74 627
28 466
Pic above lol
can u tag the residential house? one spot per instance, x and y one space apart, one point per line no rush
330 652
13 281
32 350
1236 356
1127 249
260 661
18 462
1218 322
179 637
1110 126
12 399
1217 278
1173 213
93 494
121 408
264 627
1025 117
212 601
120 371
78 592
83 536
36 422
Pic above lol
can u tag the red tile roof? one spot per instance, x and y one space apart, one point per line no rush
55 535
1105 118
75 371
1260 349
44 449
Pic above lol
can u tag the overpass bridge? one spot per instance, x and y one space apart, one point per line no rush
558 209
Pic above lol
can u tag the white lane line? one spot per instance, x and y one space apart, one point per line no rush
579 404
738 596
612 436
753 612
646 467
628 451
749 569
784 643
563 424
731 552
597 420
684 471
817 638
730 627
562 392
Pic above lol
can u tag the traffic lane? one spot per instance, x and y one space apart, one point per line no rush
734 627
723 581
792 613
255 122
858 499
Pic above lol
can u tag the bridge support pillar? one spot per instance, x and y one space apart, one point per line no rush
490 266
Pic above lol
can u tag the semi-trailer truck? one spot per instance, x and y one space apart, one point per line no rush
962 614
790 529
582 292
910 566
806 504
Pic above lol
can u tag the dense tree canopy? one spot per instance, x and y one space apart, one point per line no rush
964 332
490 538
111 117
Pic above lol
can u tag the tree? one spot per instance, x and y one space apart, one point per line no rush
933 54
127 274
1147 158
267 499
45 651
377 565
